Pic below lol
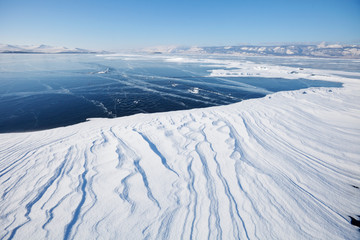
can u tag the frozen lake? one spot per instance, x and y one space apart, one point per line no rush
46 91
284 166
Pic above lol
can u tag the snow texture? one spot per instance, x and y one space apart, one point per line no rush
285 166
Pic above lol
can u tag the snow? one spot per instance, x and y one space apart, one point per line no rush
289 52
105 71
285 166
324 45
233 68
195 49
352 52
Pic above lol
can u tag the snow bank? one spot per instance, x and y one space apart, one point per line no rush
282 167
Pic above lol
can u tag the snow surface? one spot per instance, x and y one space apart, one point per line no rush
286 166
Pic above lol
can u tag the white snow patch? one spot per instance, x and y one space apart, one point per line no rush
288 51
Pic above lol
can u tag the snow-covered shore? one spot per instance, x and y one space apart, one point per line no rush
286 166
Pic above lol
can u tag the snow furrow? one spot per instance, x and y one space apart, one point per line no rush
156 151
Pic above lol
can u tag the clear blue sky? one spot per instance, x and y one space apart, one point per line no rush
121 24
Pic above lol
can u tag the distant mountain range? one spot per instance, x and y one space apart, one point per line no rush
303 50
320 50
6 48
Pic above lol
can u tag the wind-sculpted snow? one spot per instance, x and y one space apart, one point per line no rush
286 166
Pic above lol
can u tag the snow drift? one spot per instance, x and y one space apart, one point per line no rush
286 166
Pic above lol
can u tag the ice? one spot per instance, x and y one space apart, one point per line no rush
194 90
285 166
103 72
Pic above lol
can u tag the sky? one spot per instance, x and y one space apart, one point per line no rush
114 25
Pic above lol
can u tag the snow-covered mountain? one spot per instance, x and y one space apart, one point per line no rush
6 48
320 50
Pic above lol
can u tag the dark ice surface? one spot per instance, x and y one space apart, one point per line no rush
47 90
